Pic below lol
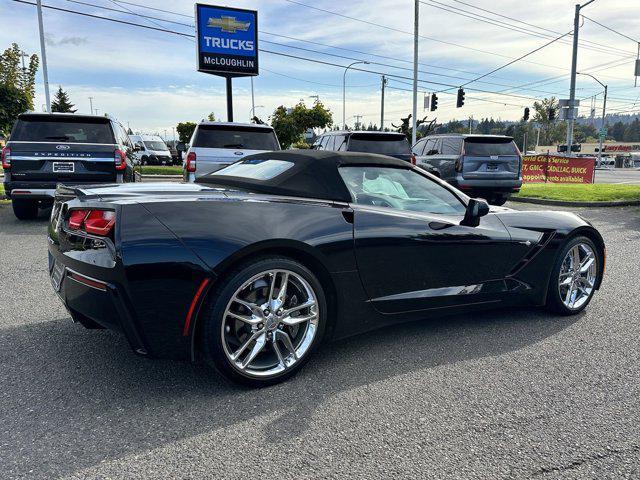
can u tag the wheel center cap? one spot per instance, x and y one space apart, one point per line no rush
271 323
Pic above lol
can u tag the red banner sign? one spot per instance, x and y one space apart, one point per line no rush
557 169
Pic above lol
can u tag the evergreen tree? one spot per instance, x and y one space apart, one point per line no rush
632 132
617 131
61 102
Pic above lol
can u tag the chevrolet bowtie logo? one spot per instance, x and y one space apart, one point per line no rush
228 24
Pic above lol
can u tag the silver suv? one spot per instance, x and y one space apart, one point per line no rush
215 145
487 166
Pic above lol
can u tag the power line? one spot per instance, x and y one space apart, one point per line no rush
268 51
314 82
611 29
387 27
501 24
130 12
555 32
516 59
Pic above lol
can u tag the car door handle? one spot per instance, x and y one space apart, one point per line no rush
435 225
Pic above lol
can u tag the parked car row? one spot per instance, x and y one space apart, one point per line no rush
47 149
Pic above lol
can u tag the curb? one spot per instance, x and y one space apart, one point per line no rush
562 203
160 176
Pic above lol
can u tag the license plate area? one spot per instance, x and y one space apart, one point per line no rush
63 167
57 274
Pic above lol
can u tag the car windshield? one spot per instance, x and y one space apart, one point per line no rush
214 136
399 188
51 128
383 144
155 145
256 169
487 146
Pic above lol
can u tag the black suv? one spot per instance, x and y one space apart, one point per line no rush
46 149
392 144
488 166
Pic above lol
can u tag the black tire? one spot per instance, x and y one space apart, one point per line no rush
554 300
211 339
499 200
144 161
25 209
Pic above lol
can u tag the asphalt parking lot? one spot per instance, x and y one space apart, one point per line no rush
504 394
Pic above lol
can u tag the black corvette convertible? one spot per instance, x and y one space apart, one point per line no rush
254 266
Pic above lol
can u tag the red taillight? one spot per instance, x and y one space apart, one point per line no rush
413 159
6 158
121 159
95 222
100 222
191 162
76 218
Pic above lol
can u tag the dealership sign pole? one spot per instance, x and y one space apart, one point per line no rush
227 44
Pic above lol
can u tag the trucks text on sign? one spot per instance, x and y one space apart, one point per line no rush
227 40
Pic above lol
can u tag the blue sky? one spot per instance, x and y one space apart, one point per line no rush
148 78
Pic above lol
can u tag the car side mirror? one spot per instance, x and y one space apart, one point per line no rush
476 208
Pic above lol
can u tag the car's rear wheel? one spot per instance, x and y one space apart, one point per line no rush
499 200
25 209
574 276
264 322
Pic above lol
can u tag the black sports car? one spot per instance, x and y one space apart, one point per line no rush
254 266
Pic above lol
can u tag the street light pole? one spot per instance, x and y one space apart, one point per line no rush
574 65
604 112
45 74
344 91
416 15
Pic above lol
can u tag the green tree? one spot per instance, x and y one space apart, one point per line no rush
617 131
632 132
13 102
551 132
453 126
211 117
14 75
291 123
185 131
61 102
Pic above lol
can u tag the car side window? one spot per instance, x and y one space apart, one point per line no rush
330 142
340 143
418 148
401 189
429 146
451 146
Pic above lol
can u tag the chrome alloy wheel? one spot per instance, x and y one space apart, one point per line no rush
578 273
270 323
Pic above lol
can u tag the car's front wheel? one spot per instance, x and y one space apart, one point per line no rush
25 209
574 276
264 321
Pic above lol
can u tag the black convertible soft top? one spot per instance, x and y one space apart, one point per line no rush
314 174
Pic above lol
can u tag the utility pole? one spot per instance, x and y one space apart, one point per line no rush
574 66
358 117
91 105
43 52
384 82
416 16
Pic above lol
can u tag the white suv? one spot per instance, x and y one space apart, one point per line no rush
215 145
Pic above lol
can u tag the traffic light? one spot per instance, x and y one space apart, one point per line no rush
526 114
552 114
434 102
460 100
